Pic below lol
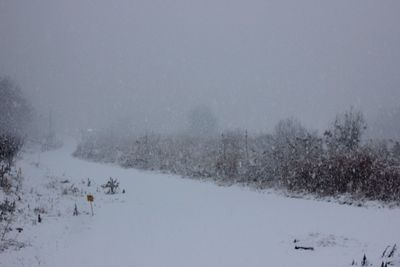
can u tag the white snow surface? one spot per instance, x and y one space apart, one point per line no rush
165 220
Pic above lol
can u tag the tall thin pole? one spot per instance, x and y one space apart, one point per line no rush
50 122
223 146
91 207
247 148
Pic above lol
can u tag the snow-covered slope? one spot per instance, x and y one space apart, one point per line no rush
164 220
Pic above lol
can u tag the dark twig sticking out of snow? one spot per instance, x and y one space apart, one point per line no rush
384 252
388 254
76 212
364 261
391 254
303 248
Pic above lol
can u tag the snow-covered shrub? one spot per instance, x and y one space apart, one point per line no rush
10 145
111 186
232 158
15 114
295 155
396 150
71 190
6 209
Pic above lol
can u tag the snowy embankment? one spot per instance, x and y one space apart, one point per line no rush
164 220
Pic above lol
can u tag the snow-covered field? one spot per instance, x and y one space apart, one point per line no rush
164 220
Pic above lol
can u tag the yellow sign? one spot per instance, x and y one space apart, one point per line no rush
90 198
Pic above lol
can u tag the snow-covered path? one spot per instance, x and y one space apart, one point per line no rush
164 220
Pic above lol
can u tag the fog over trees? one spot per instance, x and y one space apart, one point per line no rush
14 109
252 63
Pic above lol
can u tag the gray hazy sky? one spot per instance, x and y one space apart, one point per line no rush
252 62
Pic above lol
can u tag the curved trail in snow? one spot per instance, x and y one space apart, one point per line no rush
164 220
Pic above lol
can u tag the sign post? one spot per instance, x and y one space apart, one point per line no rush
90 199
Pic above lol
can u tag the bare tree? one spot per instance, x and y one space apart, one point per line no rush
14 109
347 131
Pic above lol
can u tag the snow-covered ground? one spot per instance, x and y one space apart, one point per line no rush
164 220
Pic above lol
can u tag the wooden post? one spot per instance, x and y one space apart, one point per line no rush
91 207
90 199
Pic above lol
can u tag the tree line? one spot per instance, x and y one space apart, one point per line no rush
293 158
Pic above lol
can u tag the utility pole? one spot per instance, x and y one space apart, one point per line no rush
50 122
247 147
223 146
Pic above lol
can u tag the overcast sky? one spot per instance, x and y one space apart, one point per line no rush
252 62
